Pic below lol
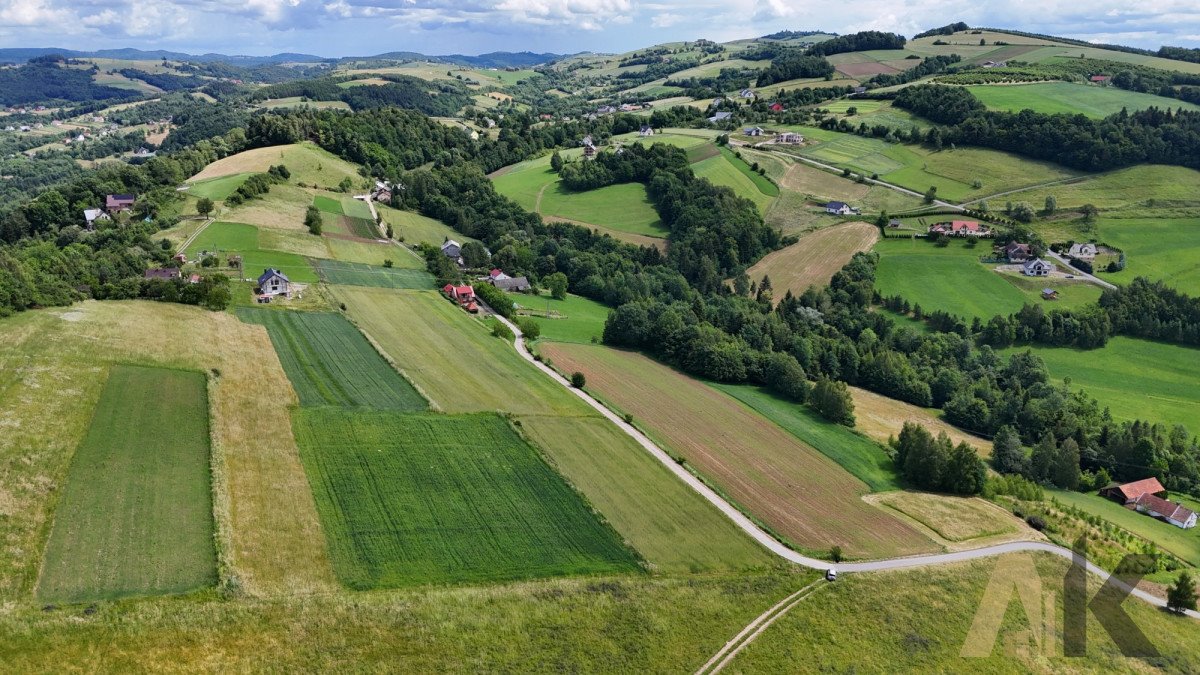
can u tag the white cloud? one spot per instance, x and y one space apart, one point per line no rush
30 13
665 20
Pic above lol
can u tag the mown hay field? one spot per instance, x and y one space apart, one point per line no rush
669 524
136 513
1161 249
794 489
576 318
412 499
306 162
358 274
414 228
624 207
329 362
218 189
452 358
814 259
226 238
881 418
328 204
721 171
955 519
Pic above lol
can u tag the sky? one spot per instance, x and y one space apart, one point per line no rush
364 27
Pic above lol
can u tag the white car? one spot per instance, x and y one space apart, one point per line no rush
831 574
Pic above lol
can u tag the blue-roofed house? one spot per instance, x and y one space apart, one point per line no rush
839 208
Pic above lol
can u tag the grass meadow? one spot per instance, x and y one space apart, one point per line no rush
1148 189
218 189
955 519
623 207
306 162
415 228
864 458
721 171
952 279
1071 98
329 362
358 274
1135 379
881 418
451 357
577 319
951 171
765 186
136 517
1160 249
409 499
225 238
795 490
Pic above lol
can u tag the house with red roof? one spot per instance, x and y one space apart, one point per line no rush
961 228
1157 507
463 295
776 107
1129 492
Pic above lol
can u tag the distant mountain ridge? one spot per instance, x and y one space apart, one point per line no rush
489 60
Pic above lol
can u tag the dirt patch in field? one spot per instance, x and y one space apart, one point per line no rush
882 418
790 486
814 259
860 70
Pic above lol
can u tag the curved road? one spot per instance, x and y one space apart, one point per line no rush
770 543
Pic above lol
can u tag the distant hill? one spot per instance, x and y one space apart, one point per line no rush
490 60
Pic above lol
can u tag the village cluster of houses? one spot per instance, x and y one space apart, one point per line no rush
789 137
960 228
1148 496
1016 252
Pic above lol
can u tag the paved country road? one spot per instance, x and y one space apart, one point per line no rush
771 544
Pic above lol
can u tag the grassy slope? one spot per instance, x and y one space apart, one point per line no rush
953 518
218 189
580 319
1136 379
721 171
416 499
136 515
265 515
864 458
919 620
306 162
242 239
414 228
330 363
663 519
358 274
814 259
764 186
1065 97
952 279
451 357
624 207
790 486
1161 249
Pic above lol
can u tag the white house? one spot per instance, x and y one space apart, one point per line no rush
746 93
645 131
753 131
1083 251
1173 513
273 282
94 215
1037 268
789 137
839 208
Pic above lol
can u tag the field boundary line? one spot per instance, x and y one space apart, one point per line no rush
775 546
188 242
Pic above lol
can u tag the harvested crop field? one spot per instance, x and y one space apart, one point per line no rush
795 490
955 519
329 362
453 358
428 498
815 182
866 69
136 515
881 418
814 259
358 274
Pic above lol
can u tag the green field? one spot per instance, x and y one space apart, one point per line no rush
414 228
1183 543
952 279
242 239
673 527
859 455
720 171
576 318
1157 248
624 207
306 162
357 208
1066 97
358 274
952 171
328 204
218 189
135 517
329 362
1143 190
427 498
760 181
1136 379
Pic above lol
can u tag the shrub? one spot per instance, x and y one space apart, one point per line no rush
628 417
578 380
1036 522
835 554
387 262
530 328
501 331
